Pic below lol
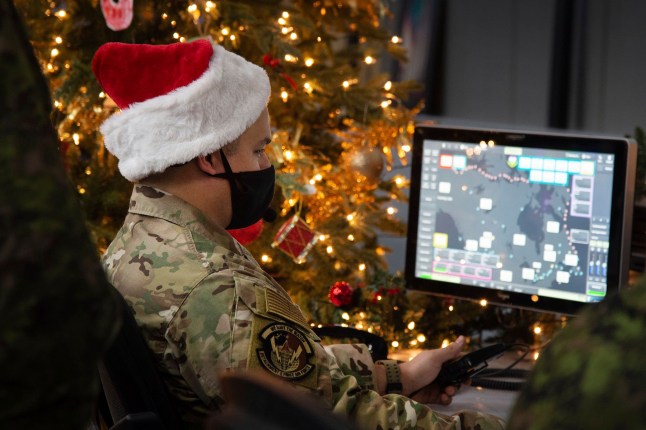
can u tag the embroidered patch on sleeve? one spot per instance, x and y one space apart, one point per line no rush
285 351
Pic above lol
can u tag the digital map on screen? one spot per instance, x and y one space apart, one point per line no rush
526 220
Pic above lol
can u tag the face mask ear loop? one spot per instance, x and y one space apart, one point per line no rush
225 162
228 172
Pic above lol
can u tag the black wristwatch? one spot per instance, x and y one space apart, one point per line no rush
393 376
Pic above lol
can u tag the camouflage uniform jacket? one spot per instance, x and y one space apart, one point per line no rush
591 375
205 305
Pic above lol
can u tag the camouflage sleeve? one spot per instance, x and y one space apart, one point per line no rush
234 321
355 360
371 411
200 336
592 374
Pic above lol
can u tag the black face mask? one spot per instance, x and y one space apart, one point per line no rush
251 194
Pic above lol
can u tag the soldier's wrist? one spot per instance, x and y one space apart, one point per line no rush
392 378
409 383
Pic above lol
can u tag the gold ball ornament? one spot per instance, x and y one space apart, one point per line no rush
367 161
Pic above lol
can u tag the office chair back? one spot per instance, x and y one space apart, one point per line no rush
376 344
134 391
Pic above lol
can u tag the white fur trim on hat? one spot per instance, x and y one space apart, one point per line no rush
193 120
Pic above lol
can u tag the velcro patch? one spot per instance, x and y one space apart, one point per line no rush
283 307
285 351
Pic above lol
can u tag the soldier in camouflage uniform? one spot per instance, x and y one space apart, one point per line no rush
592 374
202 301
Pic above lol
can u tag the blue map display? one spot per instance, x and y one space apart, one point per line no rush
515 219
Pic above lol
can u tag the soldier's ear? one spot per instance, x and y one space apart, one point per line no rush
210 164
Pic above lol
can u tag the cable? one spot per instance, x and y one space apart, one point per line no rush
484 377
497 384
504 373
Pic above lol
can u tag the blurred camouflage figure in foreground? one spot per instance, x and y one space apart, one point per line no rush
592 374
57 311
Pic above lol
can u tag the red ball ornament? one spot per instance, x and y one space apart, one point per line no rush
248 234
270 61
341 294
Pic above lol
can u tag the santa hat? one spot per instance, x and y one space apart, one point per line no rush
177 102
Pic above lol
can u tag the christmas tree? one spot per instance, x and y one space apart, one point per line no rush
341 131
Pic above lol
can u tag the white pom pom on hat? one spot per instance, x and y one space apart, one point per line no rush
178 101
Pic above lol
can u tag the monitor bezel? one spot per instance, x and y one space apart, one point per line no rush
625 152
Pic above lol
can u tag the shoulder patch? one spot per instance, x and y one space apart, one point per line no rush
285 351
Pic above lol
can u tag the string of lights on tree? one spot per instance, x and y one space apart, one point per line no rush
341 132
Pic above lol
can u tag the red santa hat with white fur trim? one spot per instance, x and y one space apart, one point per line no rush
177 102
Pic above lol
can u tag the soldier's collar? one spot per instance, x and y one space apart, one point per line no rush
150 201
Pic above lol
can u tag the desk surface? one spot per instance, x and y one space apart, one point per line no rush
494 402
489 400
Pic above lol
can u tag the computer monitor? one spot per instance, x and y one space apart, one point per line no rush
524 219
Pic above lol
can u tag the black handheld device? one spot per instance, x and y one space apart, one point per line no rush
457 371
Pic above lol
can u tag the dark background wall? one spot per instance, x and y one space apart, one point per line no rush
575 65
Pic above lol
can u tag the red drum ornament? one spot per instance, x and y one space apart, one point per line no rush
295 238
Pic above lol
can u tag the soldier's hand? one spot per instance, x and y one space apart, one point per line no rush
419 373
436 393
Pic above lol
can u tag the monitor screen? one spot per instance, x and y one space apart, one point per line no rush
532 220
